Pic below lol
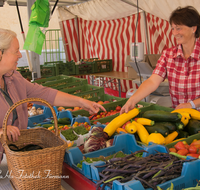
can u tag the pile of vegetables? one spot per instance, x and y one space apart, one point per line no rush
185 149
159 126
150 171
97 140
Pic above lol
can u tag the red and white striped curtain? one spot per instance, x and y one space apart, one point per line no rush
159 34
111 39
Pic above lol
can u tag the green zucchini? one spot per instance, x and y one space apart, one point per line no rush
161 115
47 125
193 127
64 121
171 126
179 125
182 134
159 128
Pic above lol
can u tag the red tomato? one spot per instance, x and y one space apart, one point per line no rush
187 146
179 145
172 149
196 143
192 149
193 155
118 108
183 152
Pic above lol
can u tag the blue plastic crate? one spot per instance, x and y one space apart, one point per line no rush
80 119
66 113
39 119
125 143
190 172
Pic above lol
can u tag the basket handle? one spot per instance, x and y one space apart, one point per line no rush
24 101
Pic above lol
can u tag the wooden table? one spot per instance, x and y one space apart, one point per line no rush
113 75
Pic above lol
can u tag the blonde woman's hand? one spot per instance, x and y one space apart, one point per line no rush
92 107
12 133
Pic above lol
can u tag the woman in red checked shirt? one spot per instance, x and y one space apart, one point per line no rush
180 64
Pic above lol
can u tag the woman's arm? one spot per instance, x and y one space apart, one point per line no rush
146 88
64 99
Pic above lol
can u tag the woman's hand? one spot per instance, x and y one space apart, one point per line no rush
12 133
91 107
129 105
184 105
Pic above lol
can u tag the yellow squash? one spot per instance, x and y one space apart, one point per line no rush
142 132
131 128
121 130
195 114
184 120
144 121
156 138
169 138
120 120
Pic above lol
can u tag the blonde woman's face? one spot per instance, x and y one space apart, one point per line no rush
10 57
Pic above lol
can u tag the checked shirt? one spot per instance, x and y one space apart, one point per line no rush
183 75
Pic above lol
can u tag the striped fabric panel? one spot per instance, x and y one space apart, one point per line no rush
111 39
159 34
71 39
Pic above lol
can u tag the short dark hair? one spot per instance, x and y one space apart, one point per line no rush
187 16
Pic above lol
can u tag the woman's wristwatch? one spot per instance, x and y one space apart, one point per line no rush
192 104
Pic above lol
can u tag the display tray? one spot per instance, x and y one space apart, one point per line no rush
189 140
50 79
42 118
68 83
125 143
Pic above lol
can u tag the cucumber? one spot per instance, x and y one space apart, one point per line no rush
159 128
171 126
193 127
161 115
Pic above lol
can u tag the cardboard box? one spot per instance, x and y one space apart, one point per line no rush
132 74
150 58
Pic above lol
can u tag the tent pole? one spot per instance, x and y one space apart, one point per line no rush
54 7
146 33
145 23
23 35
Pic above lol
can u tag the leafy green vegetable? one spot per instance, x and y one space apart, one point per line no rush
80 130
69 134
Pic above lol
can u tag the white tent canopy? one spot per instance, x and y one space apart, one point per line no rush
115 9
105 29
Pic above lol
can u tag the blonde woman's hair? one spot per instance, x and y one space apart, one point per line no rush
6 37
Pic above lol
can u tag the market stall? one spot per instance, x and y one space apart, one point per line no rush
101 145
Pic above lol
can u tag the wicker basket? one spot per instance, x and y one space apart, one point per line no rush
36 169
